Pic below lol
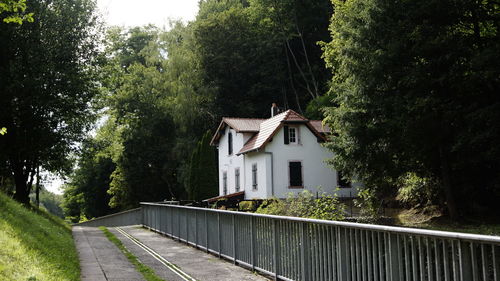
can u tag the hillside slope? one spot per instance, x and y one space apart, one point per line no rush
35 245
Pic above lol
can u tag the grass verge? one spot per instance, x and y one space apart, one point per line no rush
145 270
35 245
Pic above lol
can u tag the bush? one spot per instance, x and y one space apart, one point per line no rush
248 206
369 204
325 207
415 191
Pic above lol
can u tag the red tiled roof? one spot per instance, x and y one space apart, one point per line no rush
318 125
265 129
243 124
240 125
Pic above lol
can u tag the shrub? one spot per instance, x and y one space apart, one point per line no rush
305 205
369 204
415 191
248 206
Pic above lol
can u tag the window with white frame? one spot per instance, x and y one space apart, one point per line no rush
237 179
254 176
224 183
292 134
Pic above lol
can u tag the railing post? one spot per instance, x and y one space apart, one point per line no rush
196 228
252 242
394 257
178 224
186 213
276 250
206 230
304 251
234 238
218 233
160 209
343 256
465 261
142 215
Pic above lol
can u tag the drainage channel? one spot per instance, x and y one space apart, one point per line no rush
157 256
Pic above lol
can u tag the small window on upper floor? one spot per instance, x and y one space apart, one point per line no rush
292 135
230 143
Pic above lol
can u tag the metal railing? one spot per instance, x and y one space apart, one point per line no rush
291 248
129 217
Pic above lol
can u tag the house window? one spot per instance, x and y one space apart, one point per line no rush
254 176
292 134
343 182
224 183
237 179
230 143
295 174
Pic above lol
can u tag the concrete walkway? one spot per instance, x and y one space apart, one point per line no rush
100 259
171 260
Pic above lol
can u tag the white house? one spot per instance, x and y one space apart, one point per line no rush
264 158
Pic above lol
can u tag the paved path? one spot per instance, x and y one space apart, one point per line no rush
171 260
100 259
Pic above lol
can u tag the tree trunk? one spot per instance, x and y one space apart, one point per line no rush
38 187
447 186
21 195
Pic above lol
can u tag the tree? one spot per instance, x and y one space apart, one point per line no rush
203 171
47 70
415 90
139 109
14 10
262 51
86 192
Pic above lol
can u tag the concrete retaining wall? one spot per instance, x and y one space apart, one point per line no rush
130 217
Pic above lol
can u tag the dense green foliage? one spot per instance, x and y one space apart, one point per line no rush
50 202
85 195
305 205
12 11
415 90
35 245
203 171
262 51
47 74
163 90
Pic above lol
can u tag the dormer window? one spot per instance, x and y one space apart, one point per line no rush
291 135
230 143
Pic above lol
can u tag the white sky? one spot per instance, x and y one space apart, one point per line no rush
158 12
130 13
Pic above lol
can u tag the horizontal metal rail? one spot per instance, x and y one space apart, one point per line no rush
129 217
290 248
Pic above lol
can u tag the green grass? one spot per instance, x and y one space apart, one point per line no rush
146 271
35 245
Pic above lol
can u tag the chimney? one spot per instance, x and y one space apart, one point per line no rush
274 110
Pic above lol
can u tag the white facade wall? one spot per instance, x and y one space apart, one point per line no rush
317 176
272 166
263 175
228 163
